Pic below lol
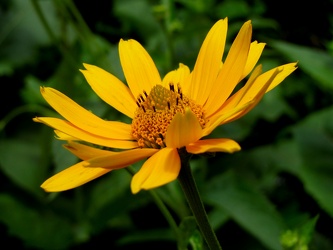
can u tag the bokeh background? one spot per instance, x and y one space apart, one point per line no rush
277 193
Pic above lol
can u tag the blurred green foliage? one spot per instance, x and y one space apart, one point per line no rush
275 194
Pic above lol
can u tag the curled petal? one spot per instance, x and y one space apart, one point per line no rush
238 97
213 145
162 168
253 97
256 87
62 136
248 96
183 129
285 70
221 118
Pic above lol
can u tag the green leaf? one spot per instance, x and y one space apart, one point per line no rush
299 238
131 11
233 9
31 91
308 155
200 6
196 241
22 21
110 201
247 206
217 217
142 236
22 161
307 230
314 137
317 63
37 230
61 157
189 233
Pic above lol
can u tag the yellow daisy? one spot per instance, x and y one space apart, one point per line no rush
167 114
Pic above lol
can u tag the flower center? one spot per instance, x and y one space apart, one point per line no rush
155 112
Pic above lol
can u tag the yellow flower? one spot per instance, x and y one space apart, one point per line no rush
167 114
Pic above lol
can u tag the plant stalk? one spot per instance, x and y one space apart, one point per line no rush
191 192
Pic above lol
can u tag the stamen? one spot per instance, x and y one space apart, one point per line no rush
179 88
172 87
180 91
156 111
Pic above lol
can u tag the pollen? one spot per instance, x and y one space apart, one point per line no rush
155 112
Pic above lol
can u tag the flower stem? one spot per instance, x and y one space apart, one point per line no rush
164 210
191 192
162 207
67 54
81 22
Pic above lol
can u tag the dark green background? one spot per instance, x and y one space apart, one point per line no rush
279 184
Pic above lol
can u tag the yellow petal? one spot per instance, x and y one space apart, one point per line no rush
248 96
85 152
256 82
238 97
139 69
74 132
183 129
232 70
219 119
61 135
213 145
253 57
208 62
73 177
86 171
110 89
161 168
286 70
253 97
119 159
179 75
83 118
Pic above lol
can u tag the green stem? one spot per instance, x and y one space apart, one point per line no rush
169 15
65 52
191 192
164 210
81 23
24 109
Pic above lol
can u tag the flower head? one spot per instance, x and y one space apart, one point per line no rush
167 114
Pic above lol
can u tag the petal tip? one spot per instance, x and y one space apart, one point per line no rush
47 188
134 187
